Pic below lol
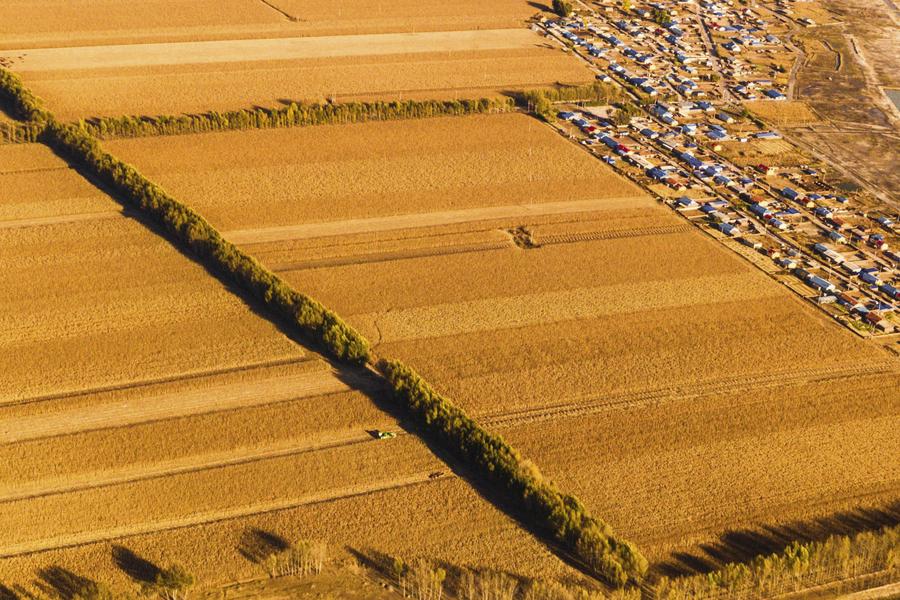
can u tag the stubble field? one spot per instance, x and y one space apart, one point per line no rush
616 309
154 79
121 356
58 23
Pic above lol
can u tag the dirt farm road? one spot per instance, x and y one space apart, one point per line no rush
417 220
168 405
145 55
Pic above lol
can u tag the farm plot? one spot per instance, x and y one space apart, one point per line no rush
364 16
144 402
439 518
196 77
37 187
45 23
280 178
553 330
678 472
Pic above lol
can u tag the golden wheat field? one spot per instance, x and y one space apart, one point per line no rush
619 310
301 176
442 518
59 23
364 16
144 405
46 23
782 454
199 76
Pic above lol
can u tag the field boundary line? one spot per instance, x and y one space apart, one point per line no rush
422 220
209 517
185 465
568 238
61 219
156 381
361 259
590 404
164 407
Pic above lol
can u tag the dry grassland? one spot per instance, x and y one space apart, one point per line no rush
259 179
783 113
173 89
678 472
110 303
43 23
442 519
365 16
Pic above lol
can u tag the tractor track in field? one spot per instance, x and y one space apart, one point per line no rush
61 219
168 405
144 383
569 238
208 517
188 464
577 407
378 257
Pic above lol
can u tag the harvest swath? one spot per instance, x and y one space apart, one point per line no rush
461 339
147 348
619 313
199 76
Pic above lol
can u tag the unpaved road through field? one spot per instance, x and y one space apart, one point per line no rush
145 55
168 405
433 219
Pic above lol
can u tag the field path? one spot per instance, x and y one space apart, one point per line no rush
169 405
433 219
187 464
144 55
576 406
60 219
202 518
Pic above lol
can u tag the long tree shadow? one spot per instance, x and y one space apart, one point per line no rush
136 567
62 583
258 544
742 545
7 593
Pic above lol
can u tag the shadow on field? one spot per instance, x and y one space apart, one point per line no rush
539 6
8 593
258 544
62 583
742 545
138 568
361 379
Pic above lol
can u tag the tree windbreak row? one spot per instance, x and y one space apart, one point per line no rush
292 115
490 458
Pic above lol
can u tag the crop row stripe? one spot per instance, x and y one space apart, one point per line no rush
562 515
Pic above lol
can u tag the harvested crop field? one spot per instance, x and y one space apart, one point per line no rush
556 327
365 16
277 178
195 77
58 23
44 23
146 405
783 113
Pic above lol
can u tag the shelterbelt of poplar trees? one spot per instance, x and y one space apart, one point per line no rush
292 115
491 459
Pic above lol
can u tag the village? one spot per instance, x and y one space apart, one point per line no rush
693 68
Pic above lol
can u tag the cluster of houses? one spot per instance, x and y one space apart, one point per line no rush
663 51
